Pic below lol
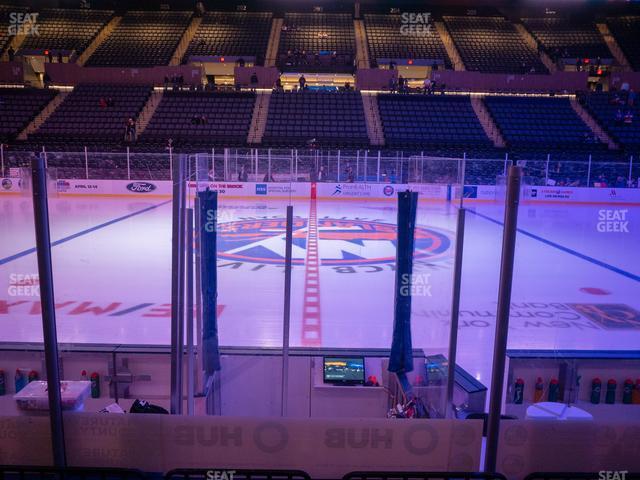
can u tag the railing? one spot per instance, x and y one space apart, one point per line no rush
69 473
423 476
362 166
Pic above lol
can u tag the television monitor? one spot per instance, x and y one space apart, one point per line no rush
344 370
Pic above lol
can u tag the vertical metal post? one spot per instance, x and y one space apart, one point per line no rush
357 164
190 349
86 163
226 164
257 178
378 168
514 180
630 170
455 309
338 165
546 171
421 166
170 163
296 167
213 164
47 302
269 164
366 157
177 285
287 310
128 165
198 285
2 159
44 154
589 172
506 160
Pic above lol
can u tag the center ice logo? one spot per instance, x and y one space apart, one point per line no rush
341 242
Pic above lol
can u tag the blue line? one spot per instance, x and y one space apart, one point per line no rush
29 251
565 249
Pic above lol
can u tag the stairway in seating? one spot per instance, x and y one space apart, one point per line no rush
148 110
531 41
488 125
274 42
43 115
188 35
362 50
259 117
372 118
592 124
450 47
97 41
615 49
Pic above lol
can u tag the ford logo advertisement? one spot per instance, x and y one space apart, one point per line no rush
141 187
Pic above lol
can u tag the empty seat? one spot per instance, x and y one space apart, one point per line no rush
386 39
142 39
332 119
231 33
565 38
492 44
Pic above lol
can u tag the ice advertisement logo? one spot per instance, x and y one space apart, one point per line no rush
342 241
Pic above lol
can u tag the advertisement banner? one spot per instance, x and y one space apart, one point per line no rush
324 448
10 185
582 195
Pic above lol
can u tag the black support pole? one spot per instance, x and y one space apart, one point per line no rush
455 308
177 284
502 316
287 310
45 272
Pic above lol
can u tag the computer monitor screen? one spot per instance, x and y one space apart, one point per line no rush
344 370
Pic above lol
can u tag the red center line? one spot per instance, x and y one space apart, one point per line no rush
311 326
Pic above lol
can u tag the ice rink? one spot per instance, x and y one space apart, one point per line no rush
575 287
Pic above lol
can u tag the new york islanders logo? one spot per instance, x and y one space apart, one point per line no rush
341 241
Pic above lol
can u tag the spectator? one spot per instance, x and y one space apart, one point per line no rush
279 85
12 54
254 81
110 102
130 130
392 84
303 82
60 58
49 54
243 176
102 103
268 177
619 116
427 85
628 117
322 174
350 174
